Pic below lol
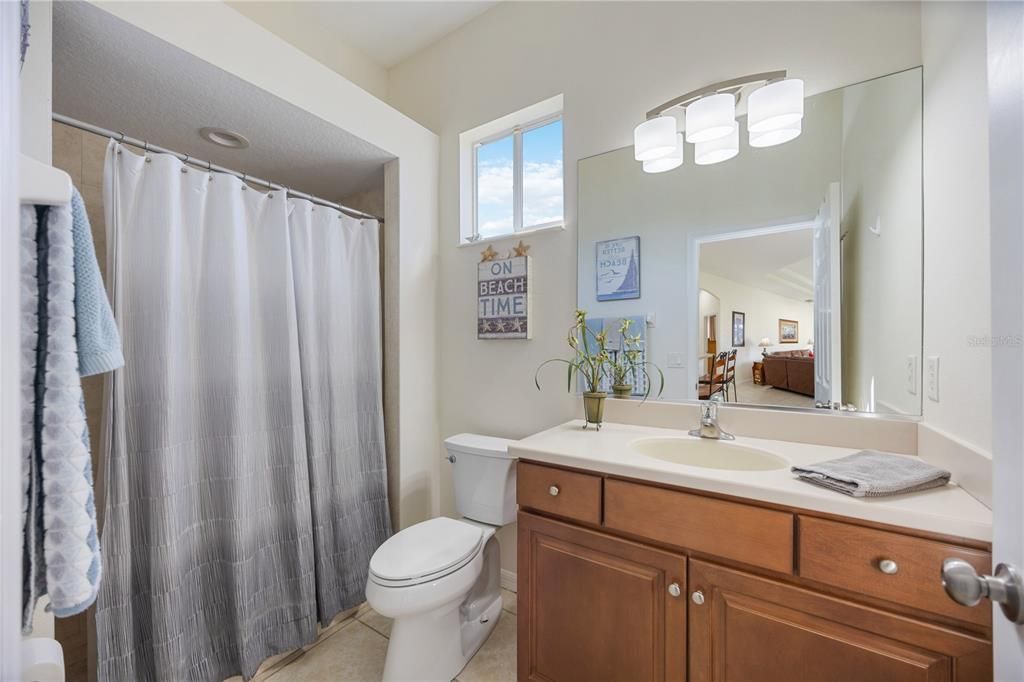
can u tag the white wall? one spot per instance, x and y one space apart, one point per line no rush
957 288
760 187
36 90
613 61
763 310
882 270
299 24
223 37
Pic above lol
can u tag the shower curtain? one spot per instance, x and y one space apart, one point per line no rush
337 291
213 556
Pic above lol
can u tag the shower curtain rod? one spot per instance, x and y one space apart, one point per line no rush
141 144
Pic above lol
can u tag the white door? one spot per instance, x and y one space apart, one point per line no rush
10 352
828 370
1006 172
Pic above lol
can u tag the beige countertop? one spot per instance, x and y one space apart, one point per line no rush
949 510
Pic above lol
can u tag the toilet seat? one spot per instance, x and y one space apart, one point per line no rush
425 552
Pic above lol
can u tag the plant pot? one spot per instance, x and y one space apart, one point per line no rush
622 390
593 407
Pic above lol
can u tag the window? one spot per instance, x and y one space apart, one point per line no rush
513 176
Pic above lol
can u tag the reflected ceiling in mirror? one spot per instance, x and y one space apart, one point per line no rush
787 276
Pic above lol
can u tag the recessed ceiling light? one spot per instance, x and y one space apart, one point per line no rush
224 138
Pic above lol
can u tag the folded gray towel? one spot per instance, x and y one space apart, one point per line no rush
870 473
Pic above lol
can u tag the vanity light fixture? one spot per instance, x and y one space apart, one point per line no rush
775 110
710 118
655 138
718 149
673 160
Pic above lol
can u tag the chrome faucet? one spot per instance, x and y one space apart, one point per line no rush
709 427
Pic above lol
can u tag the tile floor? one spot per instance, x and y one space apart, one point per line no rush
352 649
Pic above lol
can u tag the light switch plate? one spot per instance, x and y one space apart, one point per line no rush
675 360
933 377
911 373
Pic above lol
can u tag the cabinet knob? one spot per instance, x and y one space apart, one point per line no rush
675 590
697 597
888 566
553 491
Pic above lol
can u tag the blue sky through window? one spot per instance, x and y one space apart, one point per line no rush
542 181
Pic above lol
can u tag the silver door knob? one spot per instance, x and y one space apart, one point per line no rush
965 586
697 597
888 566
675 590
553 491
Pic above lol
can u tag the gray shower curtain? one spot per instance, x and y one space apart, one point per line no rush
337 291
212 556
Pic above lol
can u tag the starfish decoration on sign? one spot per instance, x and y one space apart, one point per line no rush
488 255
521 249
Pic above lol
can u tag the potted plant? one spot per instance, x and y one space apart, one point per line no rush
627 365
589 361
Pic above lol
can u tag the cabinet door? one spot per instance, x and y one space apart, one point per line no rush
754 629
593 607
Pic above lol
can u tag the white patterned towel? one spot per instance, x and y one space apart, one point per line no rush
61 542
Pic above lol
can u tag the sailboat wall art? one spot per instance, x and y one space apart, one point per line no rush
618 269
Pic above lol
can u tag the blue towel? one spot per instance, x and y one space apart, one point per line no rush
99 343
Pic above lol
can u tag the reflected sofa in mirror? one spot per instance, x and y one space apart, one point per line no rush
802 262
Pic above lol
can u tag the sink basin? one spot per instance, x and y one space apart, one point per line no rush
709 454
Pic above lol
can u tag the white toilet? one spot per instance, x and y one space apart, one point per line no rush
440 579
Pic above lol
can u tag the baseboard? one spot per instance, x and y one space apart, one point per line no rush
508 580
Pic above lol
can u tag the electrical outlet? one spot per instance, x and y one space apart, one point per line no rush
911 372
933 377
675 360
652 320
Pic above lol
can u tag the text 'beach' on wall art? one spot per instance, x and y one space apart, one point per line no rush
503 298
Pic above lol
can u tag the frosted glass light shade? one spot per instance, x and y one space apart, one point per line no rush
721 149
770 138
667 163
775 106
710 118
654 138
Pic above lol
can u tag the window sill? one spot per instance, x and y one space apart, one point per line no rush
511 235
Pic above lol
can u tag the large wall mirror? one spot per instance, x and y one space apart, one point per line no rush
786 276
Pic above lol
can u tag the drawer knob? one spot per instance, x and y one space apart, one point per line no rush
553 491
675 590
697 597
888 566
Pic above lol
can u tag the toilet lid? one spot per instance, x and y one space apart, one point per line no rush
425 548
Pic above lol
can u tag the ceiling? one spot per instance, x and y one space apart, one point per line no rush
114 75
779 263
387 32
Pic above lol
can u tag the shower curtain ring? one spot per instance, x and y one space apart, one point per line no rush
245 176
145 148
184 164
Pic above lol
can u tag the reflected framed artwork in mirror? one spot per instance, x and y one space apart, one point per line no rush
813 248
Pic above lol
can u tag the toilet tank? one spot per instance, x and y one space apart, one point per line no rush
485 478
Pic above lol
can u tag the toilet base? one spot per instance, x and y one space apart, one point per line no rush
436 646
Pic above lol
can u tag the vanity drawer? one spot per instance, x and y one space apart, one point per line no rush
851 557
571 494
752 535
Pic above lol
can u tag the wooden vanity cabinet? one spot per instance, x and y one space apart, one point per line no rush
594 607
759 630
626 581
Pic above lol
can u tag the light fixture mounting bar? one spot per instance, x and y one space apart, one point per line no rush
722 86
